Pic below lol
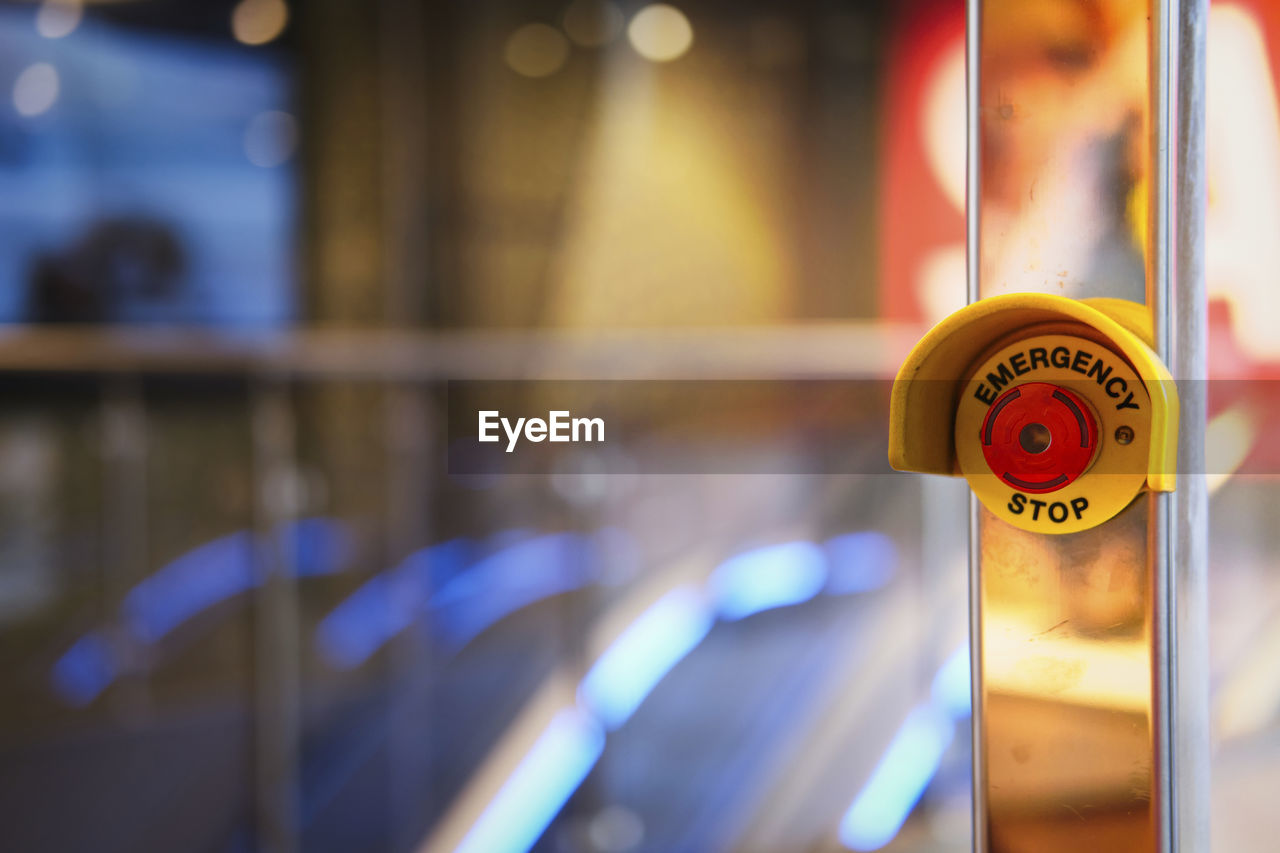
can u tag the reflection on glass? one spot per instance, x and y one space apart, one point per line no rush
1066 622
1067 688
1064 146
143 178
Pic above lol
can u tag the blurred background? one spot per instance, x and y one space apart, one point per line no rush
248 603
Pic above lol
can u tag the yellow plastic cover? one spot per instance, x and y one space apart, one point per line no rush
925 393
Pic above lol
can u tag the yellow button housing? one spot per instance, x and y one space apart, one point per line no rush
946 386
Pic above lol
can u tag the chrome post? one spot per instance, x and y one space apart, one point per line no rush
1053 771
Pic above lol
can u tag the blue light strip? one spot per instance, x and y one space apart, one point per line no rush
645 652
765 578
898 781
512 579
951 690
465 596
226 567
911 761
190 584
194 582
859 562
365 621
387 603
662 636
84 670
540 786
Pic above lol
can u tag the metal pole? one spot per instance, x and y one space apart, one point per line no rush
1059 765
973 266
1177 298
1186 339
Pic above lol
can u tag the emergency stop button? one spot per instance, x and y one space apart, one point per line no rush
1053 432
1039 437
1059 413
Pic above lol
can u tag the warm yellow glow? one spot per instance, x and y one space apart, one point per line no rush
660 33
1242 129
941 281
36 89
536 50
1023 659
592 23
940 278
1227 442
258 21
1049 124
58 18
677 221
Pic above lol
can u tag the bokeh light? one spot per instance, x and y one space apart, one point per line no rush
660 33
536 50
257 22
58 18
36 89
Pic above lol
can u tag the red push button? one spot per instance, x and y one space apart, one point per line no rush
1039 437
